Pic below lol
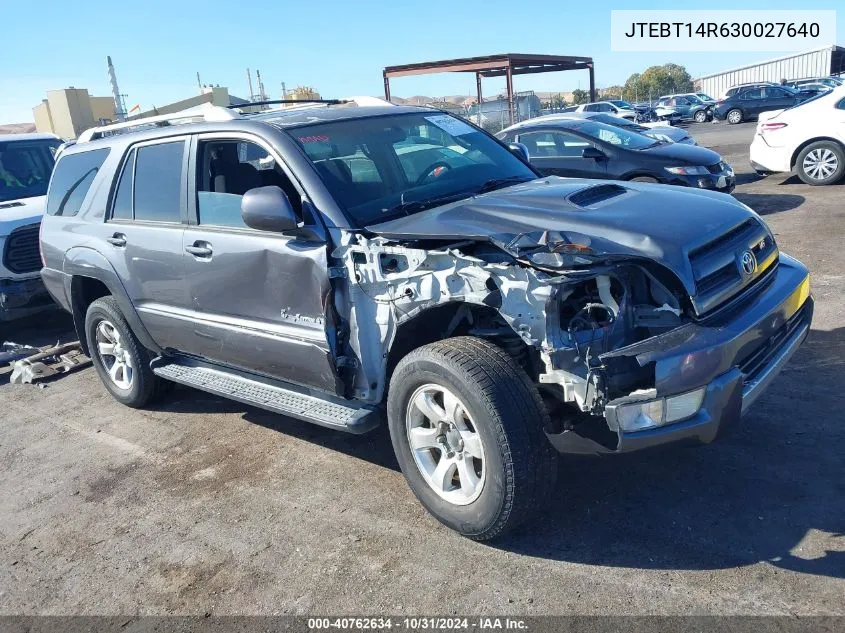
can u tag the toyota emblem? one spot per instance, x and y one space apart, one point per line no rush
748 263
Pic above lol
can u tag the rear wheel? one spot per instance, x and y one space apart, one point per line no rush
467 427
821 163
734 116
119 358
644 179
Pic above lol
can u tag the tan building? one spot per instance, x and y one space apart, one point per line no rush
70 111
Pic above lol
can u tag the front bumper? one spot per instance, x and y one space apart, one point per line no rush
736 359
20 298
724 182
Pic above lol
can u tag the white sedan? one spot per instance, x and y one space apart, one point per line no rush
808 138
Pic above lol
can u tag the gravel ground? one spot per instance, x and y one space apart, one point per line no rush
202 505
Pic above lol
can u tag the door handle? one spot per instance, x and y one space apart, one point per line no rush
118 239
200 249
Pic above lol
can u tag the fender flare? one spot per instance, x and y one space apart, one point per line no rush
82 261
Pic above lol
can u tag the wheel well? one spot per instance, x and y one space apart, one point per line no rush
798 150
83 292
639 174
458 319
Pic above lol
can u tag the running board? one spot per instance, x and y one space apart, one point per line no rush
281 398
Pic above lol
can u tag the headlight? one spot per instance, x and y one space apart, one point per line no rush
650 414
688 171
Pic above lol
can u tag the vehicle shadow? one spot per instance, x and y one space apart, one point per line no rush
753 495
768 203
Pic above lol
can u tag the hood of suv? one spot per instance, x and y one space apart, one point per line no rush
15 213
628 219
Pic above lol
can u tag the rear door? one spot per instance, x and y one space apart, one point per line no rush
142 235
260 300
559 153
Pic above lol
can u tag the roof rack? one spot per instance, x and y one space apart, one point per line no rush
250 104
204 112
297 104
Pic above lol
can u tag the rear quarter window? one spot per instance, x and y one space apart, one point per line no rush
72 180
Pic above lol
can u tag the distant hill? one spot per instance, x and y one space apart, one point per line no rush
16 128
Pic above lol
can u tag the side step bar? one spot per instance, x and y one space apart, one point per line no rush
282 398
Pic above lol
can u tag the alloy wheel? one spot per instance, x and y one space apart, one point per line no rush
735 116
445 444
113 355
820 163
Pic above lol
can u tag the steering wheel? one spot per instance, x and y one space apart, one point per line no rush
435 170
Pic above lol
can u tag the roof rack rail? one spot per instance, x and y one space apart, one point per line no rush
204 112
250 104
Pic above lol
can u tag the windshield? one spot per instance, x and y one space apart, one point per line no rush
623 104
383 167
704 97
25 168
614 135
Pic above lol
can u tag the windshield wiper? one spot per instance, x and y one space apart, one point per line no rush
498 183
412 206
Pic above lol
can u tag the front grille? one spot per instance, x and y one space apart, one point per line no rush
759 359
717 264
21 253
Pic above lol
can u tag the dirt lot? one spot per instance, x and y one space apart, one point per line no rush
204 505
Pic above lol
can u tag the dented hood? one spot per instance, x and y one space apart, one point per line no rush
658 222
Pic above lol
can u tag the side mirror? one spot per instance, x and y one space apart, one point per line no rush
592 152
519 150
268 209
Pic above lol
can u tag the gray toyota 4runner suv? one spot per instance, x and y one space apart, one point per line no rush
346 265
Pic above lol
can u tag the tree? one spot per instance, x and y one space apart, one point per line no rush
580 96
656 81
612 92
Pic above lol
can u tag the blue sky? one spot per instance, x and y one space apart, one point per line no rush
339 47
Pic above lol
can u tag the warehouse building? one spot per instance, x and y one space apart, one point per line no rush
820 62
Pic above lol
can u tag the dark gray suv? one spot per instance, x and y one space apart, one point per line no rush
346 265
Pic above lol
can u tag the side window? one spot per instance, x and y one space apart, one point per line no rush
122 208
682 101
553 144
226 170
158 182
72 179
593 107
751 94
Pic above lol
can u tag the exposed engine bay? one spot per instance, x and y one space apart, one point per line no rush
552 303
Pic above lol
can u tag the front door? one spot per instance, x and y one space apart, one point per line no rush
142 235
556 153
261 300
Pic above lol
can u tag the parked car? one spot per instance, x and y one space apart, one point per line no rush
26 161
588 149
688 107
754 84
655 131
296 261
830 82
748 103
617 107
808 139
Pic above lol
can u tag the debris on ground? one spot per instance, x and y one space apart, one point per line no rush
11 352
47 362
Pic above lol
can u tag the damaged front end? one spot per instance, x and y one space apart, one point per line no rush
614 341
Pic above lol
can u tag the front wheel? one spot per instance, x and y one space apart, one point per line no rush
734 117
821 163
700 116
467 427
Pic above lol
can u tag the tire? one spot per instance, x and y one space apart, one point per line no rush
643 179
700 116
821 163
734 116
496 402
134 384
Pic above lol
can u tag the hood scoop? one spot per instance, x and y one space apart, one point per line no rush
590 196
9 205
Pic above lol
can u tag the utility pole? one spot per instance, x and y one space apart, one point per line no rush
284 92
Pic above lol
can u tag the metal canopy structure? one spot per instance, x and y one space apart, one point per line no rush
503 65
